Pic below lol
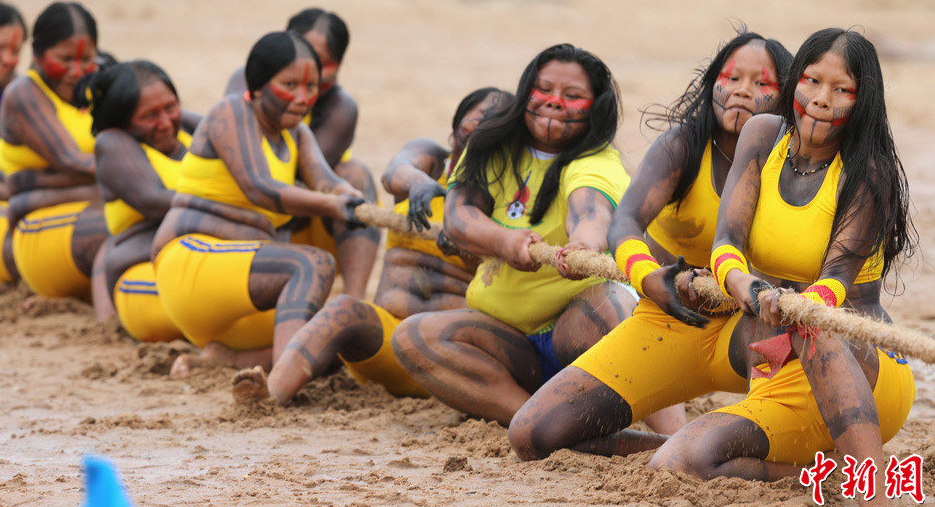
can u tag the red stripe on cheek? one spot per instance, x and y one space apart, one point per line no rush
723 257
579 104
633 259
281 93
837 122
54 69
726 72
799 108
767 79
540 95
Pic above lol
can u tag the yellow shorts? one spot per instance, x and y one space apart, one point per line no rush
42 250
203 284
383 367
652 360
315 234
5 276
785 408
139 308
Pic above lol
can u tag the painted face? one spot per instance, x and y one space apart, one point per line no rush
290 94
748 84
558 108
824 99
329 67
11 42
470 121
66 62
157 118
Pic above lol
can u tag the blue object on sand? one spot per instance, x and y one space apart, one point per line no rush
102 485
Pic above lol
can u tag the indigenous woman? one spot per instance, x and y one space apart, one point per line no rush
47 151
540 170
218 272
653 359
817 200
417 276
333 120
138 150
12 36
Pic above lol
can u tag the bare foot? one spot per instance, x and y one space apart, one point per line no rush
184 364
249 385
288 375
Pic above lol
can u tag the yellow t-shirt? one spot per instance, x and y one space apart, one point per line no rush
531 301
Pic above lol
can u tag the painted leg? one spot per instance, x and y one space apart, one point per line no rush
356 249
470 361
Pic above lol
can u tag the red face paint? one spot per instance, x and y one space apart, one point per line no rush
799 108
851 93
579 104
281 93
330 66
804 79
768 82
53 69
725 74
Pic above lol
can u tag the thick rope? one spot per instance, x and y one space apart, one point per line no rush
794 307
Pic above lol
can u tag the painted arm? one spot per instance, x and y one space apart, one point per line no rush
589 215
413 173
334 124
28 117
124 172
468 225
237 84
234 134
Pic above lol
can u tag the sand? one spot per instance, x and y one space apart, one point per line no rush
72 386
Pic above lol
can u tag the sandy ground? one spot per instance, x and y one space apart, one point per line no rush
71 386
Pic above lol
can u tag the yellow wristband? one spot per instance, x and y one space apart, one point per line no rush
725 259
635 261
826 291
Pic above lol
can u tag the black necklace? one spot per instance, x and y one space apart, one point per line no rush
804 173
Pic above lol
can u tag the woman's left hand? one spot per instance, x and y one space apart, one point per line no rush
562 266
769 306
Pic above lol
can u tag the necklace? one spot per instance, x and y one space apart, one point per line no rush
718 148
796 169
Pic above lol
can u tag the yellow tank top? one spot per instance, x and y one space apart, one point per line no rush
209 178
789 242
76 121
397 240
120 215
688 229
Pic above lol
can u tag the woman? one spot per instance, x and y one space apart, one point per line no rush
654 359
12 36
219 274
823 181
541 170
138 152
417 277
333 120
47 150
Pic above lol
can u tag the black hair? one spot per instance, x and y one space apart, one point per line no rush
873 173
57 23
113 93
335 30
694 110
504 131
272 53
471 100
9 16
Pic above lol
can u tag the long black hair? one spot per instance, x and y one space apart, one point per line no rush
113 93
56 23
10 16
272 53
693 112
337 37
873 174
504 131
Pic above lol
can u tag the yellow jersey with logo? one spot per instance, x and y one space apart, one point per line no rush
210 179
120 215
531 301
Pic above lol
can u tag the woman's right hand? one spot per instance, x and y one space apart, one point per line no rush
660 287
421 194
513 248
745 288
